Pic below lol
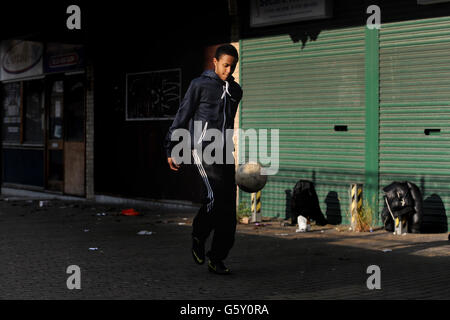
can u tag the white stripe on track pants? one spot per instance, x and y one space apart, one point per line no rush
218 212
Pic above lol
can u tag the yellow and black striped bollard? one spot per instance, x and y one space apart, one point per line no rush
356 203
256 206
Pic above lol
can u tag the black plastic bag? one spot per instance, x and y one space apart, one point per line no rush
399 198
403 199
305 202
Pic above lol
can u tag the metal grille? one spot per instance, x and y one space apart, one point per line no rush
415 111
315 96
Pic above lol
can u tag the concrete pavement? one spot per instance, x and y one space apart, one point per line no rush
269 262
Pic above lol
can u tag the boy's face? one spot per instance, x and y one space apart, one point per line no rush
224 67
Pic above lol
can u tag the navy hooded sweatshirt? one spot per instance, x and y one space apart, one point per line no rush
211 101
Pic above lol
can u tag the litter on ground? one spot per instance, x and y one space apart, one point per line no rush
144 233
130 212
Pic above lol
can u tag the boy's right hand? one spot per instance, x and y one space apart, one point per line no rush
173 166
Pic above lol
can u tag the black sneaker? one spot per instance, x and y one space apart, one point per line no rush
218 267
198 250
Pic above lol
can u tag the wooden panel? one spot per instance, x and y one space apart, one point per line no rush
74 168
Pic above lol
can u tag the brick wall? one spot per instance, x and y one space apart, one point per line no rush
236 123
236 119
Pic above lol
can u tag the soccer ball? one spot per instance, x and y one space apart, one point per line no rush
249 178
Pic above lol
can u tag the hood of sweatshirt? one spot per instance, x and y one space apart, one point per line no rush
213 75
216 110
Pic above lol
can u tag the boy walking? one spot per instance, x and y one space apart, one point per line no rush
211 100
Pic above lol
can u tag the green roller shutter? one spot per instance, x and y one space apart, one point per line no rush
414 106
306 93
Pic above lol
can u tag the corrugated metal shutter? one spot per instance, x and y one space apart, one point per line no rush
415 97
305 93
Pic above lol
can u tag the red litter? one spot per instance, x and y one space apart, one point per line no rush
130 212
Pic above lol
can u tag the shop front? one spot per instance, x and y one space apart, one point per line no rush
354 105
43 116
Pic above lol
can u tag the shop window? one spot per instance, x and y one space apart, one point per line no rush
56 111
23 112
34 112
11 112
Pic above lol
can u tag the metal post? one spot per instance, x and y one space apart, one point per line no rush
256 207
401 225
356 203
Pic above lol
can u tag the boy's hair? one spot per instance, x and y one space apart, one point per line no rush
226 49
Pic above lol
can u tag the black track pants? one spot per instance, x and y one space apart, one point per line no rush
218 211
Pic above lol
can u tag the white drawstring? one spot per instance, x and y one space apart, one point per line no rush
225 90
